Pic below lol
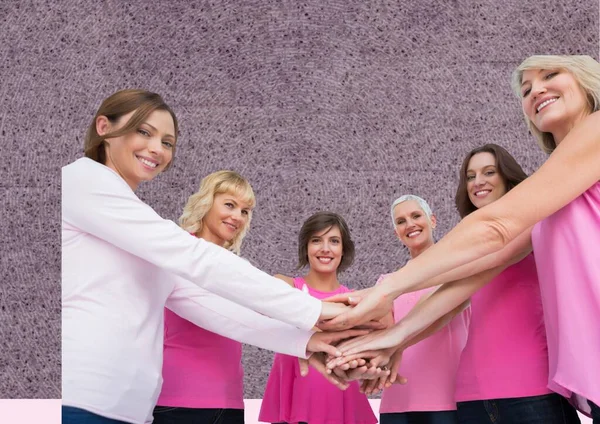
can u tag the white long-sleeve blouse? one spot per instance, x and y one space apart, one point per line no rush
121 265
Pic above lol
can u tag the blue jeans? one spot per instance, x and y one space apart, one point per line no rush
71 415
424 417
544 409
178 415
595 412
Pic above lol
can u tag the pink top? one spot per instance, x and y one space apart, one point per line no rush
429 365
567 254
291 398
506 354
216 381
200 369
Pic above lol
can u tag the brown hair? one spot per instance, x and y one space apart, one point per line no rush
116 106
319 222
508 168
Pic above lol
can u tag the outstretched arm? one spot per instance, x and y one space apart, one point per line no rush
493 227
231 320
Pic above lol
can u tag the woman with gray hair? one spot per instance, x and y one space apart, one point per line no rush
430 365
560 98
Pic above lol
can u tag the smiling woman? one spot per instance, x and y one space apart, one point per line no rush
506 314
202 371
430 365
122 264
324 244
569 84
556 209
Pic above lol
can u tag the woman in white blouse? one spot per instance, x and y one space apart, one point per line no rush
121 263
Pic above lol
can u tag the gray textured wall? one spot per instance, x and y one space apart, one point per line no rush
339 105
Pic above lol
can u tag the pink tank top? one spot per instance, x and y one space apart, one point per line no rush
429 365
201 369
291 398
506 354
567 254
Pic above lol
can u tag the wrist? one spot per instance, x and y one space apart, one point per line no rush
393 286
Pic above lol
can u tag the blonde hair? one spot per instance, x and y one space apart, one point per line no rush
199 203
584 69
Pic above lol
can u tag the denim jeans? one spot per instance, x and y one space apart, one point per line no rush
424 417
177 415
544 409
71 415
595 412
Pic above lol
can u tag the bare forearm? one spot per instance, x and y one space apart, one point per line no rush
514 252
436 325
441 306
491 228
446 256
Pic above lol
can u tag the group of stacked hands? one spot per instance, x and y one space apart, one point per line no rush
346 350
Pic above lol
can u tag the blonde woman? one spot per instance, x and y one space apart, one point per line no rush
202 371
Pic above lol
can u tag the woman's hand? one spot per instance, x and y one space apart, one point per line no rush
371 305
377 340
325 341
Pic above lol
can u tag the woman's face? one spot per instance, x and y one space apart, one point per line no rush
325 250
412 226
553 100
141 154
484 183
227 217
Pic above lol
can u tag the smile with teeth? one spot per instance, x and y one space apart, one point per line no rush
481 193
546 103
324 259
414 233
147 162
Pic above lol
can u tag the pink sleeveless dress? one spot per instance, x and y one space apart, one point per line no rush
567 255
292 398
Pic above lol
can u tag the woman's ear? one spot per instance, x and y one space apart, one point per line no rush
102 125
433 221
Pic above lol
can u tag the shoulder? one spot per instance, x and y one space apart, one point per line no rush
87 178
288 280
87 172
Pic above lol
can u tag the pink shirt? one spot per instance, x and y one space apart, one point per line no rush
200 369
506 354
292 398
429 365
567 254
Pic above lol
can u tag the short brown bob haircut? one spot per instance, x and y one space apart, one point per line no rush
325 221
